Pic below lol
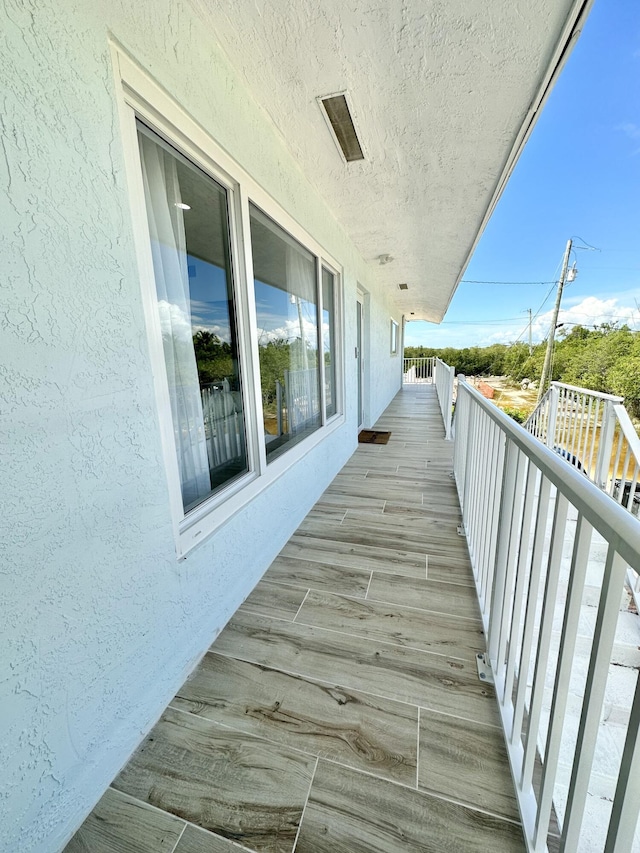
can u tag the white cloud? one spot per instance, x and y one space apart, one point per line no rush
592 311
630 129
290 331
586 311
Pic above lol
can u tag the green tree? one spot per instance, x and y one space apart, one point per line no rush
214 358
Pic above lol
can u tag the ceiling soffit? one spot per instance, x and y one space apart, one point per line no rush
443 95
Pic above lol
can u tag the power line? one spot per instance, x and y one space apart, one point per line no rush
478 322
506 283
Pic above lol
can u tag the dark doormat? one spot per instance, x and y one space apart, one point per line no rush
372 436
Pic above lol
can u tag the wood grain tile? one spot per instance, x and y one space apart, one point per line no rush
237 752
318 575
409 533
467 763
403 626
123 824
272 599
361 731
334 514
349 812
382 491
358 532
232 784
345 501
421 513
445 684
356 556
437 596
450 569
196 840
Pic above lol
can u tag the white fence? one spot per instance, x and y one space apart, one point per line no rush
533 525
444 381
418 370
594 433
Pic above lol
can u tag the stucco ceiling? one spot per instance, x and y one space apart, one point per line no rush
443 93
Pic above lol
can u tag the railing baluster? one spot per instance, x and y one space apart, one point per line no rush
603 637
576 417
479 503
632 490
507 482
587 432
521 577
532 597
544 638
623 477
626 802
594 436
582 420
579 562
614 471
514 525
488 542
502 514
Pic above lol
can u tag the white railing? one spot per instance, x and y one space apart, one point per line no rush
417 370
535 527
594 433
444 382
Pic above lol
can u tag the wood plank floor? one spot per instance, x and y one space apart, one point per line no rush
340 710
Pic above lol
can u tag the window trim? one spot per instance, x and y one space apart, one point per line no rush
139 96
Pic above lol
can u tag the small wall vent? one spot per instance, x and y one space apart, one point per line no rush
337 111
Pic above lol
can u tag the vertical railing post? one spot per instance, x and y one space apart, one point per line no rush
449 402
603 459
626 803
554 399
505 505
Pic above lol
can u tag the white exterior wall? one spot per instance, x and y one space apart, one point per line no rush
100 624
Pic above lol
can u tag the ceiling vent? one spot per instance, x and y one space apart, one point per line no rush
403 286
341 122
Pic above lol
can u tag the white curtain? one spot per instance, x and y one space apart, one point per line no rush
168 247
301 283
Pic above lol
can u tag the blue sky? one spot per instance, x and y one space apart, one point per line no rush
578 176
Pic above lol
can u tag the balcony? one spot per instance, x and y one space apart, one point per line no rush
341 708
350 705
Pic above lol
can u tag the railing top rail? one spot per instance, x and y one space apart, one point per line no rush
618 526
628 430
599 394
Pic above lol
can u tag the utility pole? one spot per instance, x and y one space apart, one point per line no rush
546 370
530 340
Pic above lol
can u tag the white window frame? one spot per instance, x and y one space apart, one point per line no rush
139 96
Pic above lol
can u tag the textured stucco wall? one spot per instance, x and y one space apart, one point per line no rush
100 624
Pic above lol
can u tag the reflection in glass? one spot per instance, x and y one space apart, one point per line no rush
188 224
287 318
328 341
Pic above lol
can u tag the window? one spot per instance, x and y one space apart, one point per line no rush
188 219
394 337
191 218
287 319
329 341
